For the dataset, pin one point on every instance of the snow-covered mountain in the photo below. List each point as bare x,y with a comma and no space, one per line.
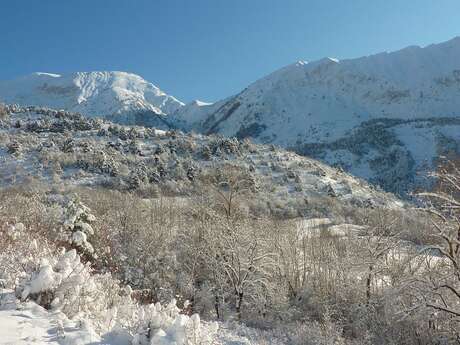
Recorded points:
120,96
383,117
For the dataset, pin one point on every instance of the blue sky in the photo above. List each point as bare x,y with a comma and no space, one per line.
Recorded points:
209,49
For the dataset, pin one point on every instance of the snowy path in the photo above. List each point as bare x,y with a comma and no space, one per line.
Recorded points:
27,326
30,324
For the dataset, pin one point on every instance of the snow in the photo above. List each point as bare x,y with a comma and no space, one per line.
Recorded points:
199,103
192,114
304,104
46,279
423,141
79,238
48,74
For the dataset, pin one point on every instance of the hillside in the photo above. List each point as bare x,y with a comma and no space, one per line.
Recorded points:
52,146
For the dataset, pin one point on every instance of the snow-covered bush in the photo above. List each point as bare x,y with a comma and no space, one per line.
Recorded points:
61,282
160,325
19,251
58,282
64,283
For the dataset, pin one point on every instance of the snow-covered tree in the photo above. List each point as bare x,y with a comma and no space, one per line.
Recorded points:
77,229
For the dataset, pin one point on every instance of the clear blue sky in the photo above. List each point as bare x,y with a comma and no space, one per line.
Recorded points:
209,49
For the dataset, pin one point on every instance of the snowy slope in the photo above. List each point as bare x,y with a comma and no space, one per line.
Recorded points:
325,101
121,96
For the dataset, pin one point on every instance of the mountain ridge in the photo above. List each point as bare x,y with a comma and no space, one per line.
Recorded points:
322,103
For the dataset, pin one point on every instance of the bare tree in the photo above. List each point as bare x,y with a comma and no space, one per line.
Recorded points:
378,243
235,251
228,186
438,288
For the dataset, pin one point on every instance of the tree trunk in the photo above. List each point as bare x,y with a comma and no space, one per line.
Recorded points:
239,302
369,283
216,306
